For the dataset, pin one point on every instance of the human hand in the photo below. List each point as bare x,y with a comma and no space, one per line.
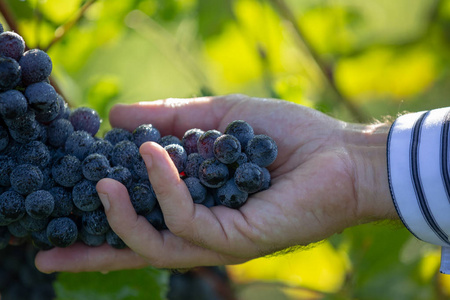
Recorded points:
329,175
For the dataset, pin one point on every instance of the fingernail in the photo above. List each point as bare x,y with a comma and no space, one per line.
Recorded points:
105,200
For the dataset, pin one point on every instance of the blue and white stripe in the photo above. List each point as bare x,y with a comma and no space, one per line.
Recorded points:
417,154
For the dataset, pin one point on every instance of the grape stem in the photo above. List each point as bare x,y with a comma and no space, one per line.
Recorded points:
62,30
7,15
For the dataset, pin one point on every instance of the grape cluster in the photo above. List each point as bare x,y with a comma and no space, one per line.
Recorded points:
51,159
201,283
19,278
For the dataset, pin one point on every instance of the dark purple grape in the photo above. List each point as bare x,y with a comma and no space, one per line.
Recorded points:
241,130
190,140
205,143
212,173
10,73
85,118
36,66
262,150
227,149
178,155
146,133
249,177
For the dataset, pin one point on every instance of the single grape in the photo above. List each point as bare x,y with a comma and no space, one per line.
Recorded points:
146,133
227,149
142,198
24,128
95,222
169,139
26,179
103,147
58,132
190,140
36,66
116,135
178,155
196,189
213,173
12,205
121,174
241,130
10,73
95,167
85,196
86,119
62,232
12,104
43,99
124,153
193,162
11,45
35,153
78,144
205,143
40,204
262,150
63,201
249,177
230,195
66,170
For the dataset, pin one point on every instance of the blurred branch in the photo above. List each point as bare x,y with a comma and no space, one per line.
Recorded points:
62,30
7,15
325,71
148,28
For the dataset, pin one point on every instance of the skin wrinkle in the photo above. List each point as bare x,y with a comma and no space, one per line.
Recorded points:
344,155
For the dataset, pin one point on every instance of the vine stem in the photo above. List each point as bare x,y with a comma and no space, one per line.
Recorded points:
325,72
62,30
7,15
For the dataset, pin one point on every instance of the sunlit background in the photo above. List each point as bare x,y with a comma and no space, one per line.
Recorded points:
356,60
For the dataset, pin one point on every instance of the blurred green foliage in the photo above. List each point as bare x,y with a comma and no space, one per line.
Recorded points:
352,59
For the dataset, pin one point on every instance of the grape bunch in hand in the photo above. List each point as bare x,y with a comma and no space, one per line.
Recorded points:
51,160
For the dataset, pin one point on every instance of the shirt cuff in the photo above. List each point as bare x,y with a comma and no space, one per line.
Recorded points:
417,155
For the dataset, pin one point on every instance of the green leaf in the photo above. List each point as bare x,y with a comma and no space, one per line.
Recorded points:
213,15
147,283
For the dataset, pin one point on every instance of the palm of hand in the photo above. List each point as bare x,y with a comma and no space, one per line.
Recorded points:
311,196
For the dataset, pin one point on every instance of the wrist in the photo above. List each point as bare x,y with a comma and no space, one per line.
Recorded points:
366,146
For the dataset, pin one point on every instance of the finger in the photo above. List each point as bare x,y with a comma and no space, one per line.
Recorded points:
82,258
160,249
220,229
122,216
172,116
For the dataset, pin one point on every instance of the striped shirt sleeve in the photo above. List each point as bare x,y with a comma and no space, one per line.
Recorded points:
419,179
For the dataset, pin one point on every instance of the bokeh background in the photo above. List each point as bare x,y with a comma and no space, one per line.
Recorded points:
359,61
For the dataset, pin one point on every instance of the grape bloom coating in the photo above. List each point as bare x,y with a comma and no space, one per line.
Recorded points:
51,157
